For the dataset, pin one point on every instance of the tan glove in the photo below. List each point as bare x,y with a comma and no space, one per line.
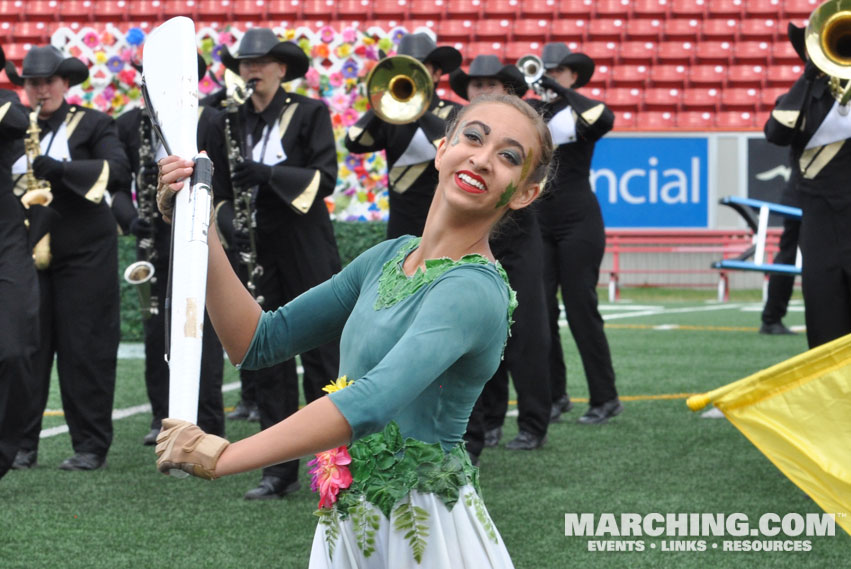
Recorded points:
165,199
183,446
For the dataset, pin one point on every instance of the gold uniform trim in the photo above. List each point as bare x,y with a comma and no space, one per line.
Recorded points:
361,136
286,117
815,159
786,118
591,115
442,110
72,120
5,109
95,193
401,177
305,199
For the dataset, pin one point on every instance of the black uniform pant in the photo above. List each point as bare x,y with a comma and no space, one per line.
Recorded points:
293,262
520,251
574,242
780,286
826,271
210,405
79,320
18,327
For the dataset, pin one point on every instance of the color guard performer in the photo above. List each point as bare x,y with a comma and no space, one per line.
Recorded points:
82,159
289,166
411,147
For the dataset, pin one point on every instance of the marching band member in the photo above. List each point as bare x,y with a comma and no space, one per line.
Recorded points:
808,119
153,244
18,287
410,147
82,159
517,246
291,166
573,232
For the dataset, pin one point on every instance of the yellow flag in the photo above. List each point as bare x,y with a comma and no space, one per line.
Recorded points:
798,413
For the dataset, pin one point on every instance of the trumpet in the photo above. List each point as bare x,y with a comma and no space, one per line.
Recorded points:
532,68
828,42
37,191
399,89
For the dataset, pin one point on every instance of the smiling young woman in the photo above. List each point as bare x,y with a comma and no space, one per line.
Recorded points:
422,324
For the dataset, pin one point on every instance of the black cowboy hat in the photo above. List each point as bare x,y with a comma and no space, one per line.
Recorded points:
202,66
2,58
48,61
420,46
796,38
556,54
489,66
260,42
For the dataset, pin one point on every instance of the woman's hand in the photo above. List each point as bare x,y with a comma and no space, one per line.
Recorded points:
172,171
183,446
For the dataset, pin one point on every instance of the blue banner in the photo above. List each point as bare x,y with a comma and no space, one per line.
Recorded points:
652,182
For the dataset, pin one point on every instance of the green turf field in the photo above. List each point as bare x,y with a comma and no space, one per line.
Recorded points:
658,457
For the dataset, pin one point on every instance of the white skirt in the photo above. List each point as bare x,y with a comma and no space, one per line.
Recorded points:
425,534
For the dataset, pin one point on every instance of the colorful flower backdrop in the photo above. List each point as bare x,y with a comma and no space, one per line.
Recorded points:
341,59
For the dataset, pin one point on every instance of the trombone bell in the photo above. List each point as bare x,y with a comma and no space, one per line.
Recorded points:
399,89
828,43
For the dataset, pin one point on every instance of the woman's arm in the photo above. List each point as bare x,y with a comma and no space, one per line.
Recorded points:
233,311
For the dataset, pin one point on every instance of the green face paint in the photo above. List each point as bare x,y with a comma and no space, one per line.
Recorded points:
506,195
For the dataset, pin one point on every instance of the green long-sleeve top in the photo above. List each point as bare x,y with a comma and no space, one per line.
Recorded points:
419,348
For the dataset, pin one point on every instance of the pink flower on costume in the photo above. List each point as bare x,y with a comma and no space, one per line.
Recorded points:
330,474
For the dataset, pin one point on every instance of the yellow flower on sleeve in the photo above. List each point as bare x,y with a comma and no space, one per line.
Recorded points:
338,384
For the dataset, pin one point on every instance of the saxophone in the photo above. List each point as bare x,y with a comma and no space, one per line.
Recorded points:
142,273
37,191
245,218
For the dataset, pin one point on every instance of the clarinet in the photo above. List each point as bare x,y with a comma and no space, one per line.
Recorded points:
245,215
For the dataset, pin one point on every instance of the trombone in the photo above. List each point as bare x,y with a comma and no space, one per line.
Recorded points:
399,89
828,42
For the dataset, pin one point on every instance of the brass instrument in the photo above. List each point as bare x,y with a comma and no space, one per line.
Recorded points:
828,42
399,89
532,68
245,215
142,274
37,191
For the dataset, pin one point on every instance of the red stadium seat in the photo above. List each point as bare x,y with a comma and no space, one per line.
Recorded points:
668,75
431,9
531,29
769,96
39,10
620,98
602,74
760,29
675,52
719,29
641,29
173,8
514,50
349,9
681,29
575,8
596,93
611,8
455,30
661,98
766,8
782,52
624,119
637,52
149,10
605,29
627,75
650,8
31,32
725,8
740,99
313,10
393,9
602,52
568,30
656,120
783,75
695,120
464,9
748,75
752,52
735,119
713,52
493,30
701,99
502,8
284,9
688,8
483,47
110,11
799,8
10,10
76,10
539,8
412,25
706,75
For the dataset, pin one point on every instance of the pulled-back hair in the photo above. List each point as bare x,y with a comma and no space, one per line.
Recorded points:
542,170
